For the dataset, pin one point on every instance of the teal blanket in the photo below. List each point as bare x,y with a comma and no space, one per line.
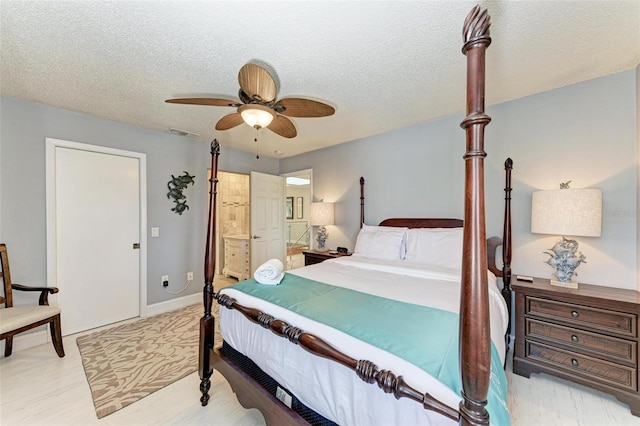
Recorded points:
377,320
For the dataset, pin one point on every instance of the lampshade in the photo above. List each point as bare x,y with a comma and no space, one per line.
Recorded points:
571,212
321,214
256,115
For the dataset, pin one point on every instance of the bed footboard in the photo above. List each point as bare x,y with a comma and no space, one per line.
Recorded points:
251,394
366,370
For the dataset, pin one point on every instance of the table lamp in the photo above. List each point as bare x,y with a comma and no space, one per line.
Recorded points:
321,214
566,212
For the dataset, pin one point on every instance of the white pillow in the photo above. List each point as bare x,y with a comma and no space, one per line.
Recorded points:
376,228
381,242
441,247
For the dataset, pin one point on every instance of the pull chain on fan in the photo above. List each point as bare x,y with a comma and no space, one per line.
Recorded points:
255,139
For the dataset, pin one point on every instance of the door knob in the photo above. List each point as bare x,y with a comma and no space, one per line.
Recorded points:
256,236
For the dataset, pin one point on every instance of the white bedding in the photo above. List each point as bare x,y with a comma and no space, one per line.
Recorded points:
333,390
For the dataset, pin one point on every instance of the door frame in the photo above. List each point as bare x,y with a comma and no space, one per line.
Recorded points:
50,173
296,174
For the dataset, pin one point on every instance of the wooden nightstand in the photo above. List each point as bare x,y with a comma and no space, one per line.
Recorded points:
588,335
312,256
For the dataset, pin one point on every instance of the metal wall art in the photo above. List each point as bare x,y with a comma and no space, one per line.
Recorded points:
176,185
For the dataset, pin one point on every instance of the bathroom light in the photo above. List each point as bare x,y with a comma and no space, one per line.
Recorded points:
293,180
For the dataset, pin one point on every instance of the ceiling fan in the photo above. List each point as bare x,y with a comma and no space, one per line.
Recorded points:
258,106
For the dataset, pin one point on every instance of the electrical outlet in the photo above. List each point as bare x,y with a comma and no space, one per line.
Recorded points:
283,396
165,281
189,276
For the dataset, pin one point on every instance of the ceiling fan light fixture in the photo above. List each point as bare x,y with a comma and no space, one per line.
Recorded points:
258,106
256,115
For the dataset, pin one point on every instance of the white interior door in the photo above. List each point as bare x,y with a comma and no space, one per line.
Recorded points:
267,219
97,222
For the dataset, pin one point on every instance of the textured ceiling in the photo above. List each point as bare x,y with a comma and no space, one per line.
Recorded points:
382,64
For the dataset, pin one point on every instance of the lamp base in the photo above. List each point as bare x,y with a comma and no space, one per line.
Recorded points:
566,284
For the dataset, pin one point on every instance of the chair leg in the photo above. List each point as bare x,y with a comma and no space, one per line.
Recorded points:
56,335
8,346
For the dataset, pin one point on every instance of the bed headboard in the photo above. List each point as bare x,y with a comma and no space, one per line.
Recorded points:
422,222
492,243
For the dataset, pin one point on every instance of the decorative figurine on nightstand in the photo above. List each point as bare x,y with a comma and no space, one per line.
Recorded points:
565,257
321,238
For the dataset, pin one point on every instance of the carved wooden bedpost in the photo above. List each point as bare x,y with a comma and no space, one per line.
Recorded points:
506,244
207,322
361,201
475,341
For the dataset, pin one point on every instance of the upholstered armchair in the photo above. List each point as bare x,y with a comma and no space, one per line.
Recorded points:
16,319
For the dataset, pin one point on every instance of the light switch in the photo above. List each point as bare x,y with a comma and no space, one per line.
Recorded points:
155,232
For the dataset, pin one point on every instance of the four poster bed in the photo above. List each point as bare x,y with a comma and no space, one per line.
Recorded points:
432,336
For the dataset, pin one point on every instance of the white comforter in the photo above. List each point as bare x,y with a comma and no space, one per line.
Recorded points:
333,390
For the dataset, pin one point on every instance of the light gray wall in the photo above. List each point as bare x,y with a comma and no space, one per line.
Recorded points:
180,247
396,167
585,133
635,212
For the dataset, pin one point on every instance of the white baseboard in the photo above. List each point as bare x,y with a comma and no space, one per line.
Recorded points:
173,304
29,340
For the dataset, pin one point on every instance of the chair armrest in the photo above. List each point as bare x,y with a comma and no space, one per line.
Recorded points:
44,295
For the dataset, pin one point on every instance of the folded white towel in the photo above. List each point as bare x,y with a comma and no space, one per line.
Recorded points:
270,272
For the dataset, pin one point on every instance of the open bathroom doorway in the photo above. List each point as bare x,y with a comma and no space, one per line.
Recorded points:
233,231
298,201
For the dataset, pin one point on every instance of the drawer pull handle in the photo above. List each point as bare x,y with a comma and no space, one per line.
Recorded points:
575,314
574,362
574,338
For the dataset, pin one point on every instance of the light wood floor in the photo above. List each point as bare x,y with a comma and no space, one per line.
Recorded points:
38,388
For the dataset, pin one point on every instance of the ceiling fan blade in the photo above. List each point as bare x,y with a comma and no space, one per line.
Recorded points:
229,121
298,107
283,127
256,82
205,101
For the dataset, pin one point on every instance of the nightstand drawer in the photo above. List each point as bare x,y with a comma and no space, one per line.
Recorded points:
582,316
312,260
579,340
616,375
588,335
311,257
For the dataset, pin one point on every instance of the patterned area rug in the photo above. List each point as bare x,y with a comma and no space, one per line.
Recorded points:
128,362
